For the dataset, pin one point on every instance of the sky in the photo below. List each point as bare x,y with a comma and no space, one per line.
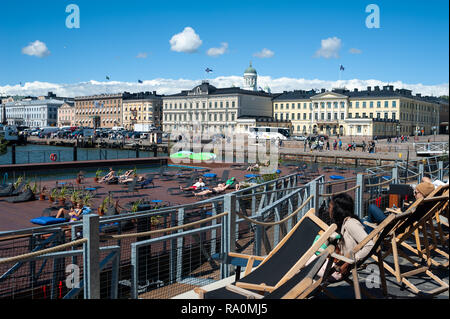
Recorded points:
169,44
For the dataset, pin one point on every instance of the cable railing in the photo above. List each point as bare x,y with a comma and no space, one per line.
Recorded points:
167,251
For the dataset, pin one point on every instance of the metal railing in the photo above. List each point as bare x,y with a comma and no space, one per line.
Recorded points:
164,252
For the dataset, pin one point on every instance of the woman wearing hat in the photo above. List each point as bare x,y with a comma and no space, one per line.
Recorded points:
376,215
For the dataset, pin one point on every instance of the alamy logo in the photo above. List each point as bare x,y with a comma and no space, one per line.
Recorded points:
73,19
73,279
373,279
373,19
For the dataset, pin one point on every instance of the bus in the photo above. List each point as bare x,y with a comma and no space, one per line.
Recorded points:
269,133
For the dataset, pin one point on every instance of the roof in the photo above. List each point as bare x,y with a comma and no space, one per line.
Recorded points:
386,91
207,89
35,102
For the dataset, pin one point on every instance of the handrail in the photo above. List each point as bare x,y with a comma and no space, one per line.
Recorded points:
165,230
341,192
280,221
43,251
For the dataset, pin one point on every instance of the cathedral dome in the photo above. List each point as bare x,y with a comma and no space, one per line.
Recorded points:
250,69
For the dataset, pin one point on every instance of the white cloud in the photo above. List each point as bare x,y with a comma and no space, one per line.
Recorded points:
186,41
265,53
172,86
355,51
218,51
329,48
142,55
36,48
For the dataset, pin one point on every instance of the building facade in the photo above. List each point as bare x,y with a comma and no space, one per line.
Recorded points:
66,114
142,108
33,113
371,112
99,111
207,108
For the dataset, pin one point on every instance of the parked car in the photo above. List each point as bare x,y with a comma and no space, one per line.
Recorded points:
299,137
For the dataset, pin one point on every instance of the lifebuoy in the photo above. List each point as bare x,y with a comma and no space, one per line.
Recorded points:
53,157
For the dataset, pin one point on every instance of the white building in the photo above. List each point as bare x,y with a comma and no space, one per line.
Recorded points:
207,108
33,113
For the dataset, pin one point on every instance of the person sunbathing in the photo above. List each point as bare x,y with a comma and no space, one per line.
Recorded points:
253,167
126,175
216,190
131,178
108,177
194,187
73,214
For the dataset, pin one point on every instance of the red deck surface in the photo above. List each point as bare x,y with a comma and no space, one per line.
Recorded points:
17,216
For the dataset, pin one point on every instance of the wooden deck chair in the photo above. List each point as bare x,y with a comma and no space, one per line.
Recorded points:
298,287
417,215
287,258
378,235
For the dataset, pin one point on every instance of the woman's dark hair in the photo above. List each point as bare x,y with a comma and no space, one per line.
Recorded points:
343,207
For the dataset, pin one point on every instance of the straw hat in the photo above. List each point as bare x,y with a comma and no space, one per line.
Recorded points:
425,188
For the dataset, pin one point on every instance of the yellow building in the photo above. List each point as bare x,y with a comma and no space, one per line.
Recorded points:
372,112
142,108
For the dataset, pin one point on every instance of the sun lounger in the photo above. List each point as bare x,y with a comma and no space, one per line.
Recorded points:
287,258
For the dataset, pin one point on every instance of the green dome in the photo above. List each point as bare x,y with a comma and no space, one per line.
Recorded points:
250,69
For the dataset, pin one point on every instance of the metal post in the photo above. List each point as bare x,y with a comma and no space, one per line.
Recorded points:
229,229
359,195
91,257
180,246
440,175
421,170
13,154
395,173
75,153
315,193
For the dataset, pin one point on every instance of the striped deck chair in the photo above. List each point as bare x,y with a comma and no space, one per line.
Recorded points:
282,263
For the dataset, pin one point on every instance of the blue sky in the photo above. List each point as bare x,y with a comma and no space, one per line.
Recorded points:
410,46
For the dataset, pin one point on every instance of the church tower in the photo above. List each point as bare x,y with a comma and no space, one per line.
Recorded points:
250,79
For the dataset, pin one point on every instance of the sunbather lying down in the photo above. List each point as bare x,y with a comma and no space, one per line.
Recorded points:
73,214
218,189
108,177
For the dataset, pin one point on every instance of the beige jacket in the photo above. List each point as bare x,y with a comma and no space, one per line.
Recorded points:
353,233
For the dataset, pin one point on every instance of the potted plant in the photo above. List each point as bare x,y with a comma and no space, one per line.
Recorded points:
98,173
101,208
62,196
86,199
135,206
74,197
53,195
42,193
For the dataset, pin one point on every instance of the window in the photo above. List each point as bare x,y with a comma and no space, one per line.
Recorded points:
342,104
350,105
349,115
276,106
342,116
358,128
299,116
386,115
378,104
393,116
357,105
371,115
364,115
364,104
357,115
386,103
304,116
287,106
322,105
329,105
322,116
299,106
304,106
394,103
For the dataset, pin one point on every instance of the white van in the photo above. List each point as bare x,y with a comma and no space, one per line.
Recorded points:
49,130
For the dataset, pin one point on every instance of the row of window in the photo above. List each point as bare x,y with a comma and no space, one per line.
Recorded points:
215,104
92,103
211,116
